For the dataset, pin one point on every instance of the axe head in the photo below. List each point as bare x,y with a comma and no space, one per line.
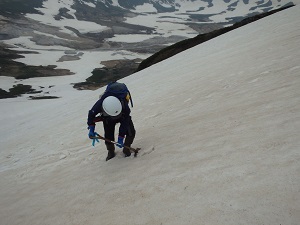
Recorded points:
136,151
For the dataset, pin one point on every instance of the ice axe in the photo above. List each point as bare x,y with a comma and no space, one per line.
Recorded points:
135,150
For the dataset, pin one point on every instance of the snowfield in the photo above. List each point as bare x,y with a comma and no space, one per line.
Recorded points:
218,125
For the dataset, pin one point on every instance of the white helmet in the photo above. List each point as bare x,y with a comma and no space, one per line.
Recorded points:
112,106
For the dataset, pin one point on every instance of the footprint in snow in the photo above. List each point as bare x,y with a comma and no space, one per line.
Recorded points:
146,152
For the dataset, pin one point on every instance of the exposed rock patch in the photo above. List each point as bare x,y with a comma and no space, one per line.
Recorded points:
113,70
11,68
70,57
17,90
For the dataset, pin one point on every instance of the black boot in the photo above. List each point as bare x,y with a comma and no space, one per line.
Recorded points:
126,152
111,151
110,155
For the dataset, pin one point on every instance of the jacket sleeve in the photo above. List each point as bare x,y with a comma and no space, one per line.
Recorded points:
96,109
124,124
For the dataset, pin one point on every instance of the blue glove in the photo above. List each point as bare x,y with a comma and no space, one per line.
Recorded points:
120,143
92,133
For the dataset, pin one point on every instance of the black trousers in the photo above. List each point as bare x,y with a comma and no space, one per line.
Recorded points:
109,133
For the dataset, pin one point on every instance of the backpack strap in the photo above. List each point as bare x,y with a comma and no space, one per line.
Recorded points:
130,99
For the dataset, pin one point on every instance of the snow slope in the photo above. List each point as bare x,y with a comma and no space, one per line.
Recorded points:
219,129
